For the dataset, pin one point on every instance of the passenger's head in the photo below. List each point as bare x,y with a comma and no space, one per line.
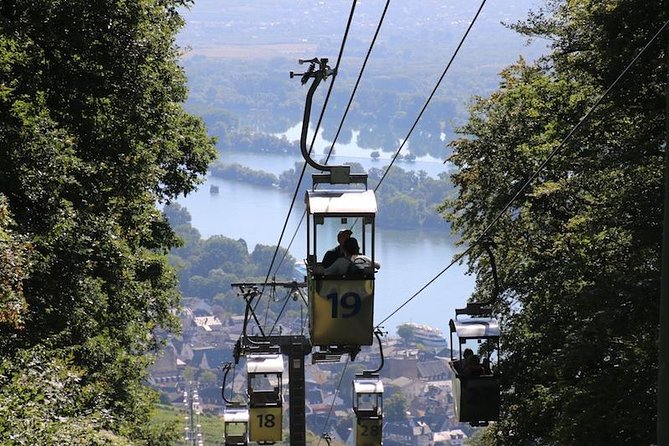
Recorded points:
343,235
467,353
351,246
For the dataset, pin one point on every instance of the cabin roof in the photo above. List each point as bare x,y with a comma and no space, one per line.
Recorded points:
236,414
266,363
475,328
367,385
341,202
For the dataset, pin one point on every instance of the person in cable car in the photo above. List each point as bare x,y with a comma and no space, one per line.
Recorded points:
338,251
470,364
359,261
352,262
342,264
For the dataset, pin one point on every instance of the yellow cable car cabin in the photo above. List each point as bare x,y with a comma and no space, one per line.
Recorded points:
264,374
475,381
341,303
368,408
235,425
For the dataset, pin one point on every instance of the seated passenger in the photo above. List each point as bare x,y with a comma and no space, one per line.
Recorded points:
471,364
338,251
360,261
352,263
339,267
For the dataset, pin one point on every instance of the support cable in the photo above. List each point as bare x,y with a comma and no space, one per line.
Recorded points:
270,299
357,82
419,115
434,90
292,239
540,169
285,302
427,102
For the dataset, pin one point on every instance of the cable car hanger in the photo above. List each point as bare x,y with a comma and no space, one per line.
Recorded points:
226,369
337,174
248,292
484,308
378,333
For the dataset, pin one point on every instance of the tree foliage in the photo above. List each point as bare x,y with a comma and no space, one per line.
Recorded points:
14,254
578,253
93,136
406,199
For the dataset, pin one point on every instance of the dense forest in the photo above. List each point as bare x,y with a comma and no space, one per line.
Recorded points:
93,135
207,267
578,252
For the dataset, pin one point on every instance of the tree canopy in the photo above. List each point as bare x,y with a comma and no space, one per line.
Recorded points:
578,252
208,267
93,135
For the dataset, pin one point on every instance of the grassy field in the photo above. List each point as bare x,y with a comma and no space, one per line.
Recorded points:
212,426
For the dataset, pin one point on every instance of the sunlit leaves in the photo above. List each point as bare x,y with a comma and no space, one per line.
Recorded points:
578,251
92,137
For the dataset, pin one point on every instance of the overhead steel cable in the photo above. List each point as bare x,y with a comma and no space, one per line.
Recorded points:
357,82
292,239
429,99
540,169
434,90
304,167
420,115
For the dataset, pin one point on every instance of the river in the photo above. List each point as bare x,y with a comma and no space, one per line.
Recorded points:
409,259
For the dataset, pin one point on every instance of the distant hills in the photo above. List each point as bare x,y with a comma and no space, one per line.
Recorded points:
238,55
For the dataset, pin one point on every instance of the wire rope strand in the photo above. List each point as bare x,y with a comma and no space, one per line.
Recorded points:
434,90
540,169
286,252
272,297
288,296
357,82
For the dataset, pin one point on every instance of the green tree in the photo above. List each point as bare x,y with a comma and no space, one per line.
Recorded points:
93,136
395,408
578,253
188,373
207,378
14,255
405,332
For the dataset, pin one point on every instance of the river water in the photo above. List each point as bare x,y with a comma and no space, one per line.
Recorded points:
409,259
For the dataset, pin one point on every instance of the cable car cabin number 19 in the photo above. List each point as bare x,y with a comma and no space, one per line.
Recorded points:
342,312
341,305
